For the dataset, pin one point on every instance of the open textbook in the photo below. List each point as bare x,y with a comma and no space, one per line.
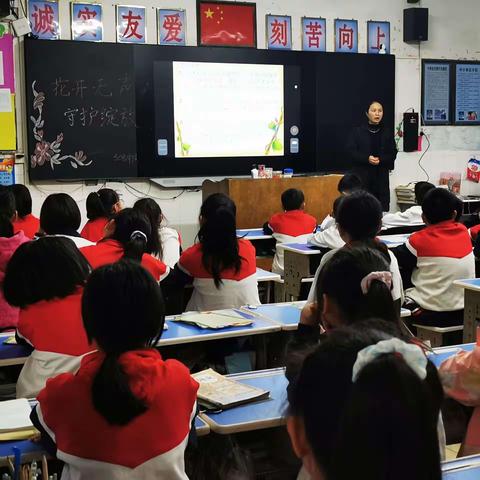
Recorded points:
218,391
217,319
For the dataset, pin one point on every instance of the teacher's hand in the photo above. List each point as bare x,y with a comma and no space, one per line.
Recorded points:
373,160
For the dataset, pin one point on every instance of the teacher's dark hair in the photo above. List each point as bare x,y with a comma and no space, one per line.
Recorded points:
122,310
44,269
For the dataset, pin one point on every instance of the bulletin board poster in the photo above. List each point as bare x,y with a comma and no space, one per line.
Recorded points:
436,93
467,94
7,170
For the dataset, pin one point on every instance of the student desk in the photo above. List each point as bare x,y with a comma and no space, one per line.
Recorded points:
471,312
12,354
264,276
298,261
253,234
442,353
257,415
464,468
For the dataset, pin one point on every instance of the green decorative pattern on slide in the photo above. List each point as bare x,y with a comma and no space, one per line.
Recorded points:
275,143
185,147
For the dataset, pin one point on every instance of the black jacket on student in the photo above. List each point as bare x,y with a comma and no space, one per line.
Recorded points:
377,141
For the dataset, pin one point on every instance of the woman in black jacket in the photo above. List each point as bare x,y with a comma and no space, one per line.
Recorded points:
373,151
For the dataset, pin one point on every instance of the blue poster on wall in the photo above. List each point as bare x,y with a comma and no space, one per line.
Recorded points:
467,99
378,37
436,93
346,36
314,34
171,27
87,23
44,19
279,32
131,25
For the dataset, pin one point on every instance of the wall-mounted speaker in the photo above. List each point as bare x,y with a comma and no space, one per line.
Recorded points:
415,24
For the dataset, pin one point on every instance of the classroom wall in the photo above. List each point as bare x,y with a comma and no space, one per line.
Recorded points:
454,34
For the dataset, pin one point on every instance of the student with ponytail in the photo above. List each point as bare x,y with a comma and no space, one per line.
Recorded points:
9,242
101,206
366,405
164,242
126,413
126,236
221,266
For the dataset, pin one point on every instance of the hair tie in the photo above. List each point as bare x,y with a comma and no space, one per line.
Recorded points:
384,277
411,354
137,233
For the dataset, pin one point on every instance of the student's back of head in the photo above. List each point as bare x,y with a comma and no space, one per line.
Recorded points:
47,268
359,216
23,200
132,229
218,235
354,285
421,189
292,199
102,204
153,212
381,407
349,183
122,310
60,215
440,205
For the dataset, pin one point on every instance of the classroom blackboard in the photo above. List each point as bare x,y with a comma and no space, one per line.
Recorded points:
81,118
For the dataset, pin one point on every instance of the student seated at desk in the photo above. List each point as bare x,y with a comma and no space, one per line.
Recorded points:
60,216
365,406
413,215
101,207
434,258
330,237
292,225
25,220
45,279
164,243
221,266
359,219
126,236
126,413
9,242
348,184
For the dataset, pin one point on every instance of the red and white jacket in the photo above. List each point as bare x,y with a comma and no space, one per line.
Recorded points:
444,254
474,232
237,289
54,328
111,251
288,227
29,224
93,230
150,446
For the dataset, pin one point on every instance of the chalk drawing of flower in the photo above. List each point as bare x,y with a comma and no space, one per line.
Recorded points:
50,153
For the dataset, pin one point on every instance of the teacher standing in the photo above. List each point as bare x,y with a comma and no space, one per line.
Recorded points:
373,151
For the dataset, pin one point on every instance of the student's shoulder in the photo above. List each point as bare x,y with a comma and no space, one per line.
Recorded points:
57,391
245,245
276,218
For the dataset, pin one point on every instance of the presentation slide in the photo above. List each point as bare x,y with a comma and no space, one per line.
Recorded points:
228,109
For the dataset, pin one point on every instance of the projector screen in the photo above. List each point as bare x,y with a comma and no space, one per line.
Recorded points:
228,110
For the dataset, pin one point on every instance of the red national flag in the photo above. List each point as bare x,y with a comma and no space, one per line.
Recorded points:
230,24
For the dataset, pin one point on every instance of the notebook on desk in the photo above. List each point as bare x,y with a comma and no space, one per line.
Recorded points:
214,320
219,392
15,423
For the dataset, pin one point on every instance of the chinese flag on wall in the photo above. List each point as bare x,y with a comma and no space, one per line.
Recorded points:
226,23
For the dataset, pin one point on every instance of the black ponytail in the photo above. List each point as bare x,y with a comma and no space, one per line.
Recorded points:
368,428
132,230
101,204
218,236
340,280
153,212
122,310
